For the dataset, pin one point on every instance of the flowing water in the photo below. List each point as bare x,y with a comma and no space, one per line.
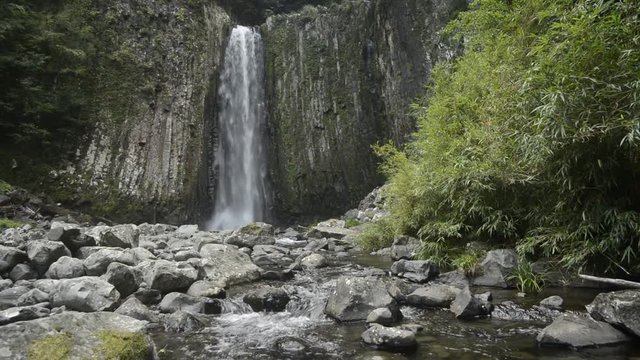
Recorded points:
304,332
240,159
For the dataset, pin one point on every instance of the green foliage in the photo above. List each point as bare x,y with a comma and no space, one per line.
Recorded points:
5,187
349,223
123,345
9,223
52,347
531,138
526,279
469,262
376,236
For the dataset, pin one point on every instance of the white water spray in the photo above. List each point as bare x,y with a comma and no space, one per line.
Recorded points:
241,155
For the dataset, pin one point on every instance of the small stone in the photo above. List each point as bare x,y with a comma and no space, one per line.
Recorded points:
384,316
268,299
389,338
552,302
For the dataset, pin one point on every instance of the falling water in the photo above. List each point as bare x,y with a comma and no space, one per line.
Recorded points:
241,155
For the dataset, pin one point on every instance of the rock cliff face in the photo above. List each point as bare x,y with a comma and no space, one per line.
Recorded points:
341,78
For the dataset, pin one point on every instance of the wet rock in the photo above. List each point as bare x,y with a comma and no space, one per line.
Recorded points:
313,261
578,331
280,275
267,299
508,310
226,265
16,339
271,256
181,321
466,306
23,272
167,276
249,241
97,263
405,247
316,245
389,338
485,297
43,253
66,268
420,271
136,309
87,294
204,288
497,267
22,313
33,297
290,243
354,298
123,277
290,344
385,316
175,301
11,257
618,308
257,229
553,302
435,295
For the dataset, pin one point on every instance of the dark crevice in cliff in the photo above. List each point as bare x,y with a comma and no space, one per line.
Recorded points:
255,12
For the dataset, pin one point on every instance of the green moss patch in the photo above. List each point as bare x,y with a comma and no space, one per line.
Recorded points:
52,347
8,223
123,345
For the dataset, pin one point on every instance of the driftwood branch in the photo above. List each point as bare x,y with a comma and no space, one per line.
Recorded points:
617,282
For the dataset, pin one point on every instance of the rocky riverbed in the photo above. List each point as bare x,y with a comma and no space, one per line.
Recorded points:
159,291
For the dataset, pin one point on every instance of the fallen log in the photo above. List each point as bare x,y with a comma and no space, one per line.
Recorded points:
617,282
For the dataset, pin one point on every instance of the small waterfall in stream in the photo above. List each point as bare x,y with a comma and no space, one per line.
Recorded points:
241,154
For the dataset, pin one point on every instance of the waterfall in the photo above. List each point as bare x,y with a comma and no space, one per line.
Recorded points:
241,158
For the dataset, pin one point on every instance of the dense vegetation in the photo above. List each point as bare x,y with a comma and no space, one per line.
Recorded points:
531,138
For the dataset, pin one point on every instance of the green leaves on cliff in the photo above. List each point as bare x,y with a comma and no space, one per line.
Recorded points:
532,137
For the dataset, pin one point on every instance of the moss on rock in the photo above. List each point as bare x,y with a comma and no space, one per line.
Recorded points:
52,347
123,345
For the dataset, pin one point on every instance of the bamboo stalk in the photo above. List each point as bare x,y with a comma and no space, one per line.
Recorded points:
617,282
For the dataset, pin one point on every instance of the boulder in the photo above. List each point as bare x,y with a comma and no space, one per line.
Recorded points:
267,299
436,295
175,301
510,311
123,277
256,229
249,241
466,306
420,271
23,272
33,297
147,296
11,257
455,278
497,267
181,321
313,261
618,308
319,232
555,302
9,297
167,276
122,236
22,313
66,268
70,235
389,338
97,263
354,298
290,243
579,331
384,316
43,253
186,231
5,284
405,247
205,288
85,333
226,265
136,309
271,256
87,294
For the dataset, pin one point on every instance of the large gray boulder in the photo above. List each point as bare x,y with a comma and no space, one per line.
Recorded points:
618,308
87,294
122,236
43,253
175,301
11,257
436,295
82,330
405,247
23,272
420,271
389,338
385,316
182,321
249,241
206,288
123,277
497,268
268,298
9,297
33,297
271,256
226,265
167,276
578,331
466,306
97,263
70,235
355,297
66,268
22,313
137,310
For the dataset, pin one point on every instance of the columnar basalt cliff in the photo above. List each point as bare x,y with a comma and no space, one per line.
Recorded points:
340,79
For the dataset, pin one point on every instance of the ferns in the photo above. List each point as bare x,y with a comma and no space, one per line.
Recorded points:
531,137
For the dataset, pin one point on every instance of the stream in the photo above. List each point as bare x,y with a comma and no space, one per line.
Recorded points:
304,332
